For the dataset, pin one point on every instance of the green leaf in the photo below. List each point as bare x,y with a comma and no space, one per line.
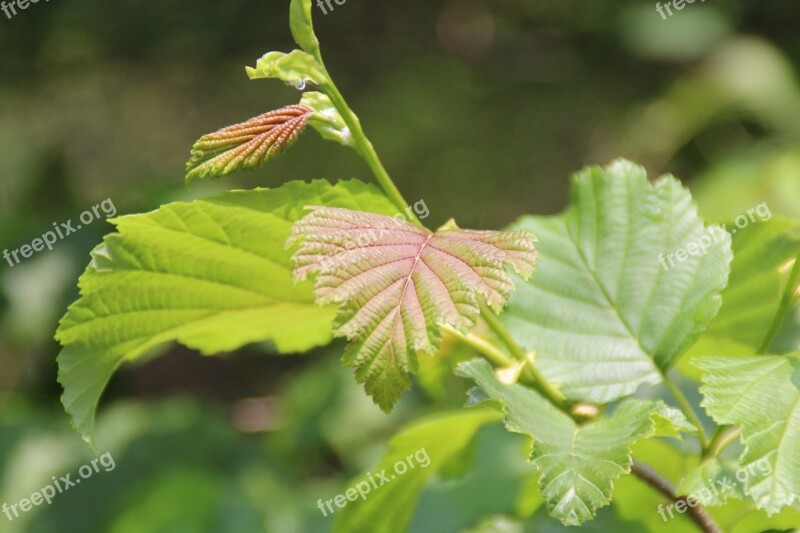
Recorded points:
606,311
389,508
248,145
211,274
326,118
748,177
760,394
302,26
749,303
297,68
713,482
578,463
396,284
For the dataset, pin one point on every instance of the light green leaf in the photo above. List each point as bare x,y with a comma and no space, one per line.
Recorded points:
760,394
712,483
607,311
211,274
671,422
749,303
302,26
326,118
297,68
389,507
578,463
748,177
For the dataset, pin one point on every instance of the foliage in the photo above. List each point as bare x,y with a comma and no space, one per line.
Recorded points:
631,280
398,284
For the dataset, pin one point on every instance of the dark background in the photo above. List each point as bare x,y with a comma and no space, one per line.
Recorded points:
483,109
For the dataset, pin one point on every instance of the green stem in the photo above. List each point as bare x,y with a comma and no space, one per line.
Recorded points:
365,149
529,372
362,144
788,300
722,437
688,410
492,353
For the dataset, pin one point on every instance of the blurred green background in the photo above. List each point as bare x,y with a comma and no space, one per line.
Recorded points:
482,109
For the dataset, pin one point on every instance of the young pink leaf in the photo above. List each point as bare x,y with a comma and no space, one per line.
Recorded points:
247,145
396,283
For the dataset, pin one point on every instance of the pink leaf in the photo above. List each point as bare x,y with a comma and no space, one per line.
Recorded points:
247,145
396,283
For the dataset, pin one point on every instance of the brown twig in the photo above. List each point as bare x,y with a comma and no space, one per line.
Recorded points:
654,479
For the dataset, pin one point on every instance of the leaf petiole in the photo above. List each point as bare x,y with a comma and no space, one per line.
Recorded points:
689,411
722,437
790,297
529,372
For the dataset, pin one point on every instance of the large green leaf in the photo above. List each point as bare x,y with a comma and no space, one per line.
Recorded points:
760,394
751,300
211,274
578,463
608,310
388,508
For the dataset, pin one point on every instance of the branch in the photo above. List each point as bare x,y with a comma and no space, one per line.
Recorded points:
698,513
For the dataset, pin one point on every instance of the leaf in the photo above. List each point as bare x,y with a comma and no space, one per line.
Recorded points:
396,283
248,145
713,483
389,508
603,313
760,394
326,119
578,463
211,274
296,68
751,300
302,26
735,184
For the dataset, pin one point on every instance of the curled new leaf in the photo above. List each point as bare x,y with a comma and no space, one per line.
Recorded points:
396,283
248,145
296,68
326,118
302,26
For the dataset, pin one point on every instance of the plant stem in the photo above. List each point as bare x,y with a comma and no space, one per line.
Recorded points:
697,513
688,410
367,151
722,437
789,298
492,353
530,371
